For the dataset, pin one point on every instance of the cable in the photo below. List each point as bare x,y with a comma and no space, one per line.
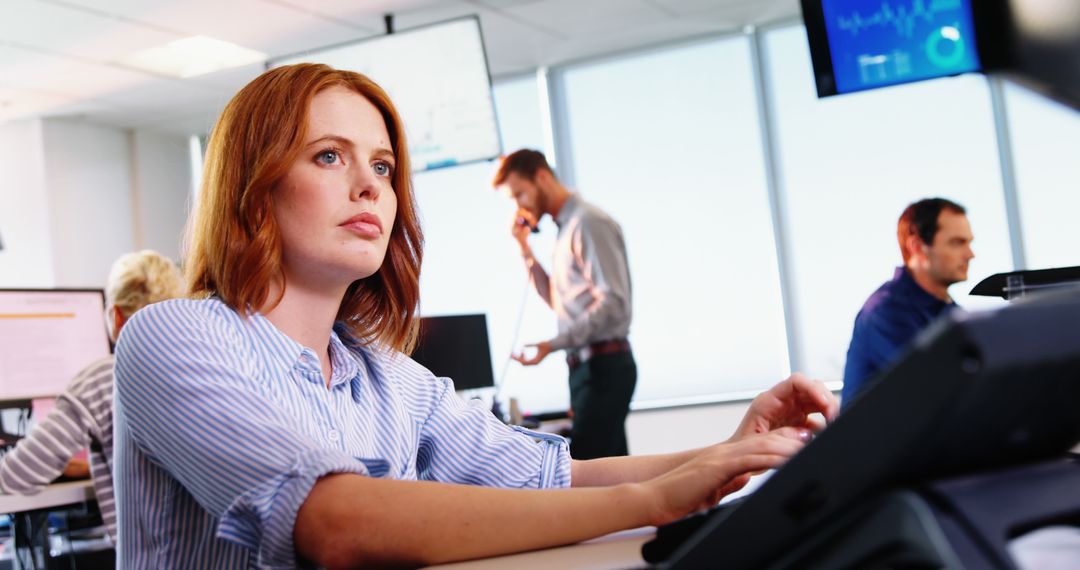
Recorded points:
513,343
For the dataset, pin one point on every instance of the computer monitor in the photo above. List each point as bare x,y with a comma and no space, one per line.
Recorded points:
857,45
456,347
976,391
1038,45
437,75
46,337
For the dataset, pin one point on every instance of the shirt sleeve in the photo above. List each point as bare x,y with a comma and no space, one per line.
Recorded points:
465,443
185,398
600,251
41,456
876,342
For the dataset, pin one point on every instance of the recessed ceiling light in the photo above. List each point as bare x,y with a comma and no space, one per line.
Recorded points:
192,56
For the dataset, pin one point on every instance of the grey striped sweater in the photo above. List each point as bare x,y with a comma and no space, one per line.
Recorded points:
82,416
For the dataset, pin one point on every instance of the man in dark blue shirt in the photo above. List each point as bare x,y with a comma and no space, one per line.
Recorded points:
935,242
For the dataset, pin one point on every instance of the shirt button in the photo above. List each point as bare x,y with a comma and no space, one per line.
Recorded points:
333,435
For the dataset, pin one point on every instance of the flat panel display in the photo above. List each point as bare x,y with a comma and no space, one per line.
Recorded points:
438,78
46,337
858,44
456,347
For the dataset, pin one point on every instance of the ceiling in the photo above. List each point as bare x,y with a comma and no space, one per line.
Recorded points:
58,58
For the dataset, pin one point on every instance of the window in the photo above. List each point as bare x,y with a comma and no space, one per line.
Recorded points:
850,164
1046,144
668,143
472,264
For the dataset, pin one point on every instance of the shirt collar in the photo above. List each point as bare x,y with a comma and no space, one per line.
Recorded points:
286,354
569,208
907,285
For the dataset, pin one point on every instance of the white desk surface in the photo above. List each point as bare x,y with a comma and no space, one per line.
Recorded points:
55,495
619,550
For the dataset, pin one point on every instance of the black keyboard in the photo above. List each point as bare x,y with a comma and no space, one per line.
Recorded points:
672,535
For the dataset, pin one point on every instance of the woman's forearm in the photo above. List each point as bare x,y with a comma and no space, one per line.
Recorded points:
633,469
350,520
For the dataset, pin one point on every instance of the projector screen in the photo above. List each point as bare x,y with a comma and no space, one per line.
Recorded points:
46,337
438,78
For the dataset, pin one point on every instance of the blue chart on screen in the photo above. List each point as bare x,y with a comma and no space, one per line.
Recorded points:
876,43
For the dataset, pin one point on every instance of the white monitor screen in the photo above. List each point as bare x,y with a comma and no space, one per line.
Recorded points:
438,78
46,338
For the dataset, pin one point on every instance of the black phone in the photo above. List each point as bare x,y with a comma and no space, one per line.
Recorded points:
523,221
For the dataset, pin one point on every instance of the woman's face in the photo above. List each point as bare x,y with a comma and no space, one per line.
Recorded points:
335,207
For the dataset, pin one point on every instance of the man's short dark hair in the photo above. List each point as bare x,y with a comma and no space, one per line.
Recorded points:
921,219
525,162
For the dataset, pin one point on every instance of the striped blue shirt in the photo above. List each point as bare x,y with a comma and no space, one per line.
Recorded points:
224,424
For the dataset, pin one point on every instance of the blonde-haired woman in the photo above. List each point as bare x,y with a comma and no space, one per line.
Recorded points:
83,414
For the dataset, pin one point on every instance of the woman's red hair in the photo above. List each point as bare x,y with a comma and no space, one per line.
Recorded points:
234,248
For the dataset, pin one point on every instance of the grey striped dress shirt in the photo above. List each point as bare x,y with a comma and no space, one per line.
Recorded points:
589,287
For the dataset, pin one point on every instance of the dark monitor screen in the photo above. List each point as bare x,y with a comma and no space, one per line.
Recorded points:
858,44
456,347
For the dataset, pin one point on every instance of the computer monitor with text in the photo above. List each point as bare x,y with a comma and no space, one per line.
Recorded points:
46,337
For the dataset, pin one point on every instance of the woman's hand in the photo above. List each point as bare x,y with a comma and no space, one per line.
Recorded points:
77,469
790,403
719,470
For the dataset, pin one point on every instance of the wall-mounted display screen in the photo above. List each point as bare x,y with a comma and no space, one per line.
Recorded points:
857,45
438,78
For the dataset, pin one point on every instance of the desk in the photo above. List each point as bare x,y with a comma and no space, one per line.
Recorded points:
28,517
55,495
619,550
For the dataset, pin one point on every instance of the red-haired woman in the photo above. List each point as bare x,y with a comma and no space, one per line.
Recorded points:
274,419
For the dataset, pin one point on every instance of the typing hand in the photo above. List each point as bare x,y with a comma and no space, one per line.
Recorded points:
719,470
791,403
542,350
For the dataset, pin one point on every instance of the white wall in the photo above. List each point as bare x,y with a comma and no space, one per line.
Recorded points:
26,259
676,429
74,197
161,179
88,176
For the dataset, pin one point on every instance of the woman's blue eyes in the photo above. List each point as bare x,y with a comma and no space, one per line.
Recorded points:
328,157
332,157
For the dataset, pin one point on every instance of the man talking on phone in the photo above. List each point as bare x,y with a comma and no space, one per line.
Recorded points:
589,290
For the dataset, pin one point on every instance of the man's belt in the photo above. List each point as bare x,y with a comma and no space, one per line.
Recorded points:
614,346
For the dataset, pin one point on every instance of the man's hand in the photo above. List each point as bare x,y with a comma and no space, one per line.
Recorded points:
542,350
789,403
521,227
